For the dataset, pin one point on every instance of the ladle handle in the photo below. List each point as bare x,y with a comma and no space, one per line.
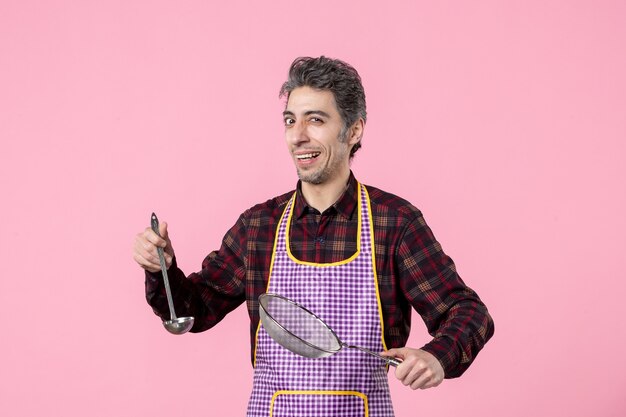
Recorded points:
154,222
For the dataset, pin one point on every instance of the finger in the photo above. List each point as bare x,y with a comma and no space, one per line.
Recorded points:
150,236
168,260
146,264
427,380
145,248
421,379
399,353
149,252
146,252
427,376
163,230
390,353
168,248
413,371
432,383
404,370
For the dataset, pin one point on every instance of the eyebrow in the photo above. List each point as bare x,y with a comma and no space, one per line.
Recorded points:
308,113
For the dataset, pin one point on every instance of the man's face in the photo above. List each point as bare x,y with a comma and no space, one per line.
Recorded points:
313,128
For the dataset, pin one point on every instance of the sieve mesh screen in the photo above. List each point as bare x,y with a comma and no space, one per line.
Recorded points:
295,328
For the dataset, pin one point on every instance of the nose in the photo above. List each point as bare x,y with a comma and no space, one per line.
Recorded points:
296,134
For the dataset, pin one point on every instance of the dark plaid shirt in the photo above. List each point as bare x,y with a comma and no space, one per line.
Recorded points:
413,272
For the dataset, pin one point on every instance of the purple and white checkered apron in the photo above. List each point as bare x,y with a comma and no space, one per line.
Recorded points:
349,383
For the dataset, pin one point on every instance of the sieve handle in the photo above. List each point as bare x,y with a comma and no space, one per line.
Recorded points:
390,361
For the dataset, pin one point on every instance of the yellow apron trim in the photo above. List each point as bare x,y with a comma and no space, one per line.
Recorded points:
380,307
256,335
345,261
345,393
374,270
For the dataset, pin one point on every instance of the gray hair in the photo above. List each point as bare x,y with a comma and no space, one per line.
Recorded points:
336,76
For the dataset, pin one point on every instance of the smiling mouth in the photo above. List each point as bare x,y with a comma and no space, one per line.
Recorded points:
307,156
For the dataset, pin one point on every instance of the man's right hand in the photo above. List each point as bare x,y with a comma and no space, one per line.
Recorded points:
145,248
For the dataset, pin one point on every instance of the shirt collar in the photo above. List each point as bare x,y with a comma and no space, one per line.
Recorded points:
345,205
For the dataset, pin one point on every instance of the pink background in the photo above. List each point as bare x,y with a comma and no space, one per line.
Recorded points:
504,122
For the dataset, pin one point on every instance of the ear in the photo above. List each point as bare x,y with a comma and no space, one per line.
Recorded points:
356,132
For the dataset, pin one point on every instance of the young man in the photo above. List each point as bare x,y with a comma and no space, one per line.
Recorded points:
360,258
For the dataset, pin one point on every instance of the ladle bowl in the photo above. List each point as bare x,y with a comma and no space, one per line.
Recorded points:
179,325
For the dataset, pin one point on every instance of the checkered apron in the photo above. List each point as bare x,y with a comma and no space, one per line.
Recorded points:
349,383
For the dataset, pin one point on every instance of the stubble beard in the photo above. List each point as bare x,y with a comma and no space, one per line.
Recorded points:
323,174
317,177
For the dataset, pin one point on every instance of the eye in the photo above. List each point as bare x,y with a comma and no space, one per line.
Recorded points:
316,120
288,121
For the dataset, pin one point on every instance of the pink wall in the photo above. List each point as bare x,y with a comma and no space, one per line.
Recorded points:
504,122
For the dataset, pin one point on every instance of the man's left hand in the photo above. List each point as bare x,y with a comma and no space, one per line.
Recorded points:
419,369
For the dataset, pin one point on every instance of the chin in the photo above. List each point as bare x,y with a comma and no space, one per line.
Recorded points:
314,178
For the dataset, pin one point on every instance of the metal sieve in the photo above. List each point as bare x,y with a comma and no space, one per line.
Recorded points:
299,330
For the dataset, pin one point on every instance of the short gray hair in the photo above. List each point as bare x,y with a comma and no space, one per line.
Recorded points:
334,75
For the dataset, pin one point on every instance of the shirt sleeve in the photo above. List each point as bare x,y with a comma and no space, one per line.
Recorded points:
210,294
453,313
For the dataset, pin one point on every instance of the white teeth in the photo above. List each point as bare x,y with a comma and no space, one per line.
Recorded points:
307,155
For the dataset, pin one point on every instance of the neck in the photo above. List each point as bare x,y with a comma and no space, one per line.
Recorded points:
322,196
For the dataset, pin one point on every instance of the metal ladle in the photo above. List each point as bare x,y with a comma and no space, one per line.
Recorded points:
176,325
